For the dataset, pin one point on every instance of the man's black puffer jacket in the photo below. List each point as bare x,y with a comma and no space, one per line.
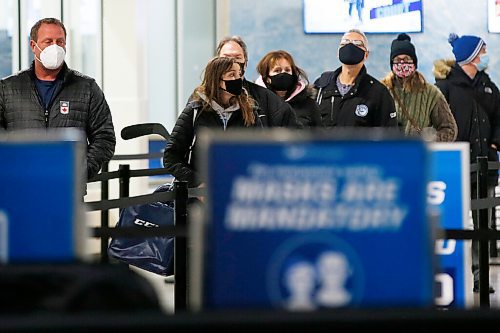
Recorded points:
21,108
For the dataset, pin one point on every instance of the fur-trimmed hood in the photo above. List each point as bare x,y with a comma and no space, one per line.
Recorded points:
442,67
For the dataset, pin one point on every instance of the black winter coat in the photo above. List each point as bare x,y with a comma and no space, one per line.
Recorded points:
176,159
306,109
475,104
21,108
367,104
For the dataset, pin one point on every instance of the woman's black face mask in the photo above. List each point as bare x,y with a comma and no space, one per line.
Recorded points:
350,54
283,82
234,86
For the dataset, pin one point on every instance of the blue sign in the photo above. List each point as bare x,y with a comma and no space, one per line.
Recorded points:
40,197
398,7
304,224
449,193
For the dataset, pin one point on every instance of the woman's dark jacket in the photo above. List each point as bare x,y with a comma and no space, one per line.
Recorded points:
176,154
306,109
302,102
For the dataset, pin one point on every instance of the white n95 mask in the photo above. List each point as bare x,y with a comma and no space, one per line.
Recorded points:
52,56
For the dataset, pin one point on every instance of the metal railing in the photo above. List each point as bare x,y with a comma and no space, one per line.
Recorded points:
181,194
483,234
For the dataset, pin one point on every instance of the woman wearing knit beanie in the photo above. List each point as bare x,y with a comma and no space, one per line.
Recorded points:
475,102
420,106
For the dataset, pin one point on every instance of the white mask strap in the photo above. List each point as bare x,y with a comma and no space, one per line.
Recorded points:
39,49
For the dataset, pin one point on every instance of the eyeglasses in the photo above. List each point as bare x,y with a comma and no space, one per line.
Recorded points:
357,42
402,61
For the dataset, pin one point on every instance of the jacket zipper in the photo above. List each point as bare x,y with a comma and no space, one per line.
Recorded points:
480,145
45,112
320,96
331,109
225,120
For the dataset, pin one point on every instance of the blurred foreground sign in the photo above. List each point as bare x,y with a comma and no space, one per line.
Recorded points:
41,196
302,223
449,193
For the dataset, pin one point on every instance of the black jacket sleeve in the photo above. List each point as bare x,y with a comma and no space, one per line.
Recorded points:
100,132
288,118
178,147
443,86
495,117
314,114
387,110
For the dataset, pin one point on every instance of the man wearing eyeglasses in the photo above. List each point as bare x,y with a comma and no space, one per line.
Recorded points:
272,110
349,96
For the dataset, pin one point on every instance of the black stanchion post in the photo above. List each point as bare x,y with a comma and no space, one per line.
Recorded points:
493,243
124,170
104,216
180,247
482,214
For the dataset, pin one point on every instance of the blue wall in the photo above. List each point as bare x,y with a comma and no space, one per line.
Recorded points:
278,24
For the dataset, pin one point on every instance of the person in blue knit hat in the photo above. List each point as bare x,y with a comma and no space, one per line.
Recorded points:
465,48
475,103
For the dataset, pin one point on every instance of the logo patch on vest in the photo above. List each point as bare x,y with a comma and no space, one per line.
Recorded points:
64,107
488,90
361,110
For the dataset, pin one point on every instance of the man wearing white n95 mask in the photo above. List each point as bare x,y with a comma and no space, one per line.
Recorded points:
51,95
52,56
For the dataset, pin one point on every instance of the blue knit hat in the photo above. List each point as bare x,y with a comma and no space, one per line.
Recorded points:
465,48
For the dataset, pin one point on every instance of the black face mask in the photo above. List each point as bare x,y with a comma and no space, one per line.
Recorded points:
282,82
350,54
234,86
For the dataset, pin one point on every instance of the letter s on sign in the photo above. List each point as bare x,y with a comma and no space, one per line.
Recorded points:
436,192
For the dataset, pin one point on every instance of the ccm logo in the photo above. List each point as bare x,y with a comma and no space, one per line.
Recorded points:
145,223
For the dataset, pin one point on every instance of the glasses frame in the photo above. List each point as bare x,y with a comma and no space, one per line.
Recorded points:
357,42
403,61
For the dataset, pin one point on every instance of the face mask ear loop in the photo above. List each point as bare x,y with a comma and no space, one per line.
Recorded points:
36,44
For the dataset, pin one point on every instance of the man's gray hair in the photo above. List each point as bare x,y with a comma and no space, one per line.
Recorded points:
365,40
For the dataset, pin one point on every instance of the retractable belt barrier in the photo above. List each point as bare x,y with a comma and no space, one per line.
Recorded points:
181,194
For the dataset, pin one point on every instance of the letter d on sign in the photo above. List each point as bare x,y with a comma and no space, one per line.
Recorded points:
445,282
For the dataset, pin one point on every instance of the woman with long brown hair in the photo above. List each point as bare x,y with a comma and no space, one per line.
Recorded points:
219,102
